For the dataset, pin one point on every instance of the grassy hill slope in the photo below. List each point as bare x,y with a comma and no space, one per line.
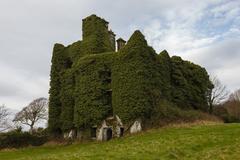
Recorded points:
219,141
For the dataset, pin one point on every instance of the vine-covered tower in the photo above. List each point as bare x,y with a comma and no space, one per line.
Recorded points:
98,92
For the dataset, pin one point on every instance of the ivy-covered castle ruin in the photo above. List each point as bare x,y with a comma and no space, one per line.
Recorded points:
102,88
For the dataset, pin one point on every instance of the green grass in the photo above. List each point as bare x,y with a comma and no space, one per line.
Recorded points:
220,142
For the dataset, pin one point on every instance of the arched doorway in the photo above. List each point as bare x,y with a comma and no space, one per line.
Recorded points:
107,134
121,132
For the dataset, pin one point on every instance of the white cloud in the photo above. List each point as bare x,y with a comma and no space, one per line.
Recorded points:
187,28
207,34
18,87
220,59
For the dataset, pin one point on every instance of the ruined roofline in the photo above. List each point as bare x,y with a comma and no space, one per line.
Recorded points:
94,15
111,32
121,40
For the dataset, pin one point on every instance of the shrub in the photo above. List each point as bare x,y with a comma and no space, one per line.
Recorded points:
233,109
229,112
167,112
17,139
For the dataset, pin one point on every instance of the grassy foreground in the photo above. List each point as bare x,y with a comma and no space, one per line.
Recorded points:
210,142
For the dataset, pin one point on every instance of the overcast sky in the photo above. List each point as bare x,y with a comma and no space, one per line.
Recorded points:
206,32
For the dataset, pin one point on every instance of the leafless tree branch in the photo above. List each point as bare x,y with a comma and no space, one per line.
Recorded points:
34,112
218,94
4,118
235,96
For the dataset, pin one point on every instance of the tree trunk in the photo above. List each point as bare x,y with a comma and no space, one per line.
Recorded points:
210,108
31,129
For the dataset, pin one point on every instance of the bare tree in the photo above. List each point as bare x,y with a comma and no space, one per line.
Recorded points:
4,118
235,96
216,95
233,108
33,113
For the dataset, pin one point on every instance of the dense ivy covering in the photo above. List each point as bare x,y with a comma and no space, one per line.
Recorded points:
135,80
190,84
55,88
67,99
96,37
92,90
165,71
90,81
